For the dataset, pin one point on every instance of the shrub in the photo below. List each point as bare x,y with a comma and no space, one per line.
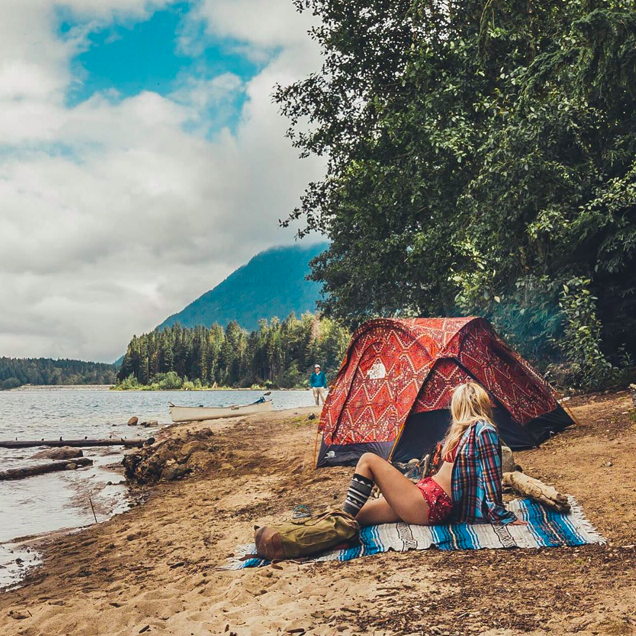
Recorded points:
581,342
10,383
171,382
129,383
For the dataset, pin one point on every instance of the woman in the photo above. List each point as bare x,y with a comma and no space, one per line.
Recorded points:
467,487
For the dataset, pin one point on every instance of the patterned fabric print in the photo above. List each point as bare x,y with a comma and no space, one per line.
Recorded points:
507,376
544,529
477,478
358,494
363,407
375,407
439,503
445,377
394,366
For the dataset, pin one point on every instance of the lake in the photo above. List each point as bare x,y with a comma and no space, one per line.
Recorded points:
57,501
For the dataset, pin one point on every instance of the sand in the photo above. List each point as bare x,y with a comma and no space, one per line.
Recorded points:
153,570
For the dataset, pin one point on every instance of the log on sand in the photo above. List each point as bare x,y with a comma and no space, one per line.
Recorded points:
31,471
79,443
536,490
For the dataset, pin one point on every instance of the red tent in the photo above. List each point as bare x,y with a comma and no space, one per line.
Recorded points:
393,390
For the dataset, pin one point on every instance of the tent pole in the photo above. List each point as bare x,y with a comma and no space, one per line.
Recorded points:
316,449
566,408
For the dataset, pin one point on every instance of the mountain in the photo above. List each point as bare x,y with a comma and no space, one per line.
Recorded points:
271,284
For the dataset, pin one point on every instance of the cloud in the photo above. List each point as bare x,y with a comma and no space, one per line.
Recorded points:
119,211
203,93
259,23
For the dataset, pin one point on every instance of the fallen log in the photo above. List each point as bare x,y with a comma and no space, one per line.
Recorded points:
536,490
32,471
115,441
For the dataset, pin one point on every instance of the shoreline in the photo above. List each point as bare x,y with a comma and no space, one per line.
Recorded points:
147,388
113,387
98,491
154,569
36,545
60,387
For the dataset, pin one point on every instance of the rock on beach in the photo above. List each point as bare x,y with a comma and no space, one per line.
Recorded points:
65,452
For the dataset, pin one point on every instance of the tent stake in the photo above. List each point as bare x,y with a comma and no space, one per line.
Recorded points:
93,509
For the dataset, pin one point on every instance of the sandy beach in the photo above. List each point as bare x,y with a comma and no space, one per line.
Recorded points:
154,569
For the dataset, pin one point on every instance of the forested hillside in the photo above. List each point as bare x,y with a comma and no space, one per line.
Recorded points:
278,354
15,372
273,284
482,160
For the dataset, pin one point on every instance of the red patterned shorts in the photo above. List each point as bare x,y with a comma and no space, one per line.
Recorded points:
439,503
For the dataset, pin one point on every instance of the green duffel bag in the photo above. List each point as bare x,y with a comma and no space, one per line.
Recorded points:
304,537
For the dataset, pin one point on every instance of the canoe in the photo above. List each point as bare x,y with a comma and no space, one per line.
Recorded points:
199,413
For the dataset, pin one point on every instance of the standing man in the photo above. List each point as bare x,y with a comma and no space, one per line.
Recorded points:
318,383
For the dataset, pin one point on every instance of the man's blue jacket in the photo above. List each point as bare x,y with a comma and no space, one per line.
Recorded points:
318,380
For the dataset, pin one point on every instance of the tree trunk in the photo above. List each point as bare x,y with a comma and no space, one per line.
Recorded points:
32,471
78,443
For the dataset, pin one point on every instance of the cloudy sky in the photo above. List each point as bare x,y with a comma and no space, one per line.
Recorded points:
141,160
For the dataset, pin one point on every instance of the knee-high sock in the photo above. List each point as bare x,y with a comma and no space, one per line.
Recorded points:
358,493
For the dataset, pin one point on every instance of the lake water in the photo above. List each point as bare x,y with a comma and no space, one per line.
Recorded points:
57,501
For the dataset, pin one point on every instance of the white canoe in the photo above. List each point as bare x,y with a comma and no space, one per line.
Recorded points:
199,413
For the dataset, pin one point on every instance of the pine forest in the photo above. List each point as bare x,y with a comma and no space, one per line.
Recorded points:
280,354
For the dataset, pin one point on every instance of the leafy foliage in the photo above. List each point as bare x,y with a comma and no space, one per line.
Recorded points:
15,372
480,155
278,354
582,335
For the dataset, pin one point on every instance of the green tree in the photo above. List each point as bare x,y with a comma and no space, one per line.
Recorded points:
277,354
216,338
171,381
480,155
230,356
15,372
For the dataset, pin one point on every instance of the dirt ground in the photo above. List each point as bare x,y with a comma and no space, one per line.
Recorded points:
153,570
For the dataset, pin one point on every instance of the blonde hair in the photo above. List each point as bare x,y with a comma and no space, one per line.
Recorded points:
469,404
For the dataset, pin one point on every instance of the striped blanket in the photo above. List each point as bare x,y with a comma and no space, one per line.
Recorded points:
545,528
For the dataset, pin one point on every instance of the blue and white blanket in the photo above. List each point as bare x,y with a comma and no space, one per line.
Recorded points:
545,529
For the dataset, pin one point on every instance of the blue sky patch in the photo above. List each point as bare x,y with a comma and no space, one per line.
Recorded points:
128,57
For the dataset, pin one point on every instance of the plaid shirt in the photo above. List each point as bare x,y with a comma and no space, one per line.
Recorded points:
477,478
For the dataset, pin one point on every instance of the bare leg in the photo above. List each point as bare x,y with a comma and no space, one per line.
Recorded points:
376,511
403,500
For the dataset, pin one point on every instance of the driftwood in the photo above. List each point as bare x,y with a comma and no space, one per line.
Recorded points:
76,442
32,471
537,490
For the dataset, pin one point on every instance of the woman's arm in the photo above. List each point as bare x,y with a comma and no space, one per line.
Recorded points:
489,453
